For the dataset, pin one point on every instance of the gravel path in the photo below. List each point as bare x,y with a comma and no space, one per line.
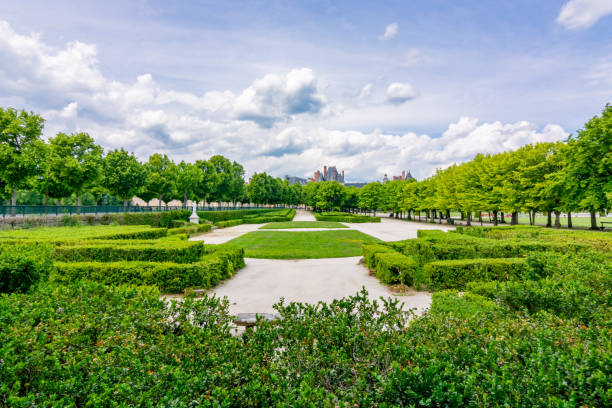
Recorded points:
390,229
263,282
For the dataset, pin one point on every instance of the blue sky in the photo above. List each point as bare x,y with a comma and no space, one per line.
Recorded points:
286,87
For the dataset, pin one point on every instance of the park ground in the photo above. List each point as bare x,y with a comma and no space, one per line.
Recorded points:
264,282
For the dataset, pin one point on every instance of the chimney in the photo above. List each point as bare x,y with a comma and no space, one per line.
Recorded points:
343,176
403,175
325,171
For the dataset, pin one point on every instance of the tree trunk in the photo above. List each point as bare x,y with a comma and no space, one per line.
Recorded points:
514,219
549,219
593,221
448,217
47,199
502,218
480,217
125,203
557,219
495,221
469,218
78,203
531,217
14,201
159,202
185,199
569,220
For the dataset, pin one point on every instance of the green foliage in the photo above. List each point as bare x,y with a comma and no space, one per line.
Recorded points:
190,229
393,267
169,277
110,251
460,305
123,175
58,348
455,274
81,233
369,251
228,223
23,266
345,217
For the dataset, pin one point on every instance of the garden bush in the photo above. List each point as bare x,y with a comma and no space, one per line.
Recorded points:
170,277
455,274
229,223
23,265
370,250
460,305
95,345
154,251
190,229
345,217
393,267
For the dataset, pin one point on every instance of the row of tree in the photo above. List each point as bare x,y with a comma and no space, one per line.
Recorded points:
73,164
570,176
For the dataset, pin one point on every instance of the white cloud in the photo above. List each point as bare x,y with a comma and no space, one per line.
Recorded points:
275,97
411,58
398,93
577,14
67,86
390,31
366,91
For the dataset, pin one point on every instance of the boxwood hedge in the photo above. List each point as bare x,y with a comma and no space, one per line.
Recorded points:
345,217
154,251
455,274
170,277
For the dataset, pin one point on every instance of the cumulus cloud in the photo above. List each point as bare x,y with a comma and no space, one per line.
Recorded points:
390,31
276,97
268,126
398,93
578,14
367,156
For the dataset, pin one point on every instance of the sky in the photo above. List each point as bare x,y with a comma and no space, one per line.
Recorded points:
287,87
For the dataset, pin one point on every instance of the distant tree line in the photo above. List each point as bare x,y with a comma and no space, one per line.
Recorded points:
552,178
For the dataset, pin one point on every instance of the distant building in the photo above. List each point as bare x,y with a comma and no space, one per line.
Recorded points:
404,176
329,174
296,180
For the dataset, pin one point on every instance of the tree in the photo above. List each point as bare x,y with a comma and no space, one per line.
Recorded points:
208,182
330,195
224,185
75,160
590,164
188,178
161,178
370,196
124,176
238,190
257,189
20,133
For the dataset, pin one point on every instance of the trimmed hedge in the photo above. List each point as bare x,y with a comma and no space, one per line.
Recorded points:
23,265
190,229
393,267
370,250
152,233
229,223
455,274
425,250
155,251
216,216
170,277
345,217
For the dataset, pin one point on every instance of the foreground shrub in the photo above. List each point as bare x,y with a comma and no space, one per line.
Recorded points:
92,345
460,305
23,265
455,274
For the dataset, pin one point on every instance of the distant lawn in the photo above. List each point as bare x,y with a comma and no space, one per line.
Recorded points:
576,221
303,224
302,245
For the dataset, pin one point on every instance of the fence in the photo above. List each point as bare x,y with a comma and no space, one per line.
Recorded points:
56,210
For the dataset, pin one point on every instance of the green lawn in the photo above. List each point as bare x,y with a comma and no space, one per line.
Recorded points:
303,224
302,245
576,221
